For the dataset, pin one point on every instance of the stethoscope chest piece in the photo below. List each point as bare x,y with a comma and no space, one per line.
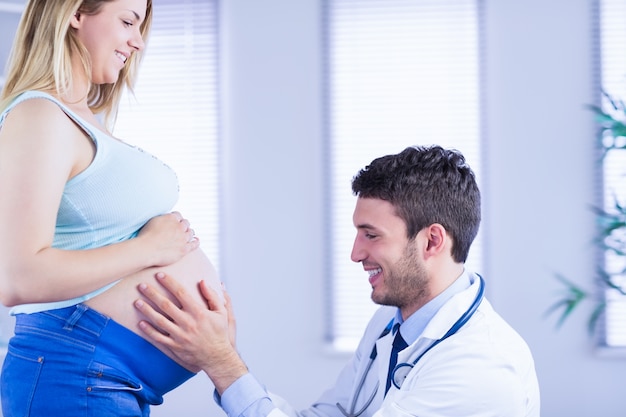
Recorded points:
400,372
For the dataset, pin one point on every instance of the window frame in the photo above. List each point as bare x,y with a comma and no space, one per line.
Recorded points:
336,193
611,38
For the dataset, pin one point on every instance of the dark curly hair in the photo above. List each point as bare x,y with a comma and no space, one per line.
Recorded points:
427,185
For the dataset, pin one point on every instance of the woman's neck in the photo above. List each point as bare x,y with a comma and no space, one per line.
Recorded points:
76,97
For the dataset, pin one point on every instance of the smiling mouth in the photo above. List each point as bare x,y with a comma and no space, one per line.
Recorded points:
374,272
121,56
374,276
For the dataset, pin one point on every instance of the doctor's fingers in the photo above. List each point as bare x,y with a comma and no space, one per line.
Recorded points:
232,322
171,326
191,317
213,300
168,342
163,315
224,306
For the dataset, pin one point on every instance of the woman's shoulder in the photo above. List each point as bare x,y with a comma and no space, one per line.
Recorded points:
36,109
30,96
38,101
37,114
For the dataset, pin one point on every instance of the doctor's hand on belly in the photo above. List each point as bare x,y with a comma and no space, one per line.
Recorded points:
194,266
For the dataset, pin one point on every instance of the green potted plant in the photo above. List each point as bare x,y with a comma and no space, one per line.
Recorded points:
611,226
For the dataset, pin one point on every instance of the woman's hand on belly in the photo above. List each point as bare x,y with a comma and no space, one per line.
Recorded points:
167,239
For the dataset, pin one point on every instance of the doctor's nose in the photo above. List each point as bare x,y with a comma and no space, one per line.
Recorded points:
358,254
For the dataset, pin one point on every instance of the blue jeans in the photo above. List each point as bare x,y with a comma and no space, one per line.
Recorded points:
76,362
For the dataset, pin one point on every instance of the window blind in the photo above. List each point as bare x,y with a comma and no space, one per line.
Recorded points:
613,81
174,111
398,73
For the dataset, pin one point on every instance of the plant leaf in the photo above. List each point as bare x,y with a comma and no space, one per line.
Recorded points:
571,299
595,316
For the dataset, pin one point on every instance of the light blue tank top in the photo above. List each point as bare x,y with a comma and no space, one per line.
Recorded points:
108,202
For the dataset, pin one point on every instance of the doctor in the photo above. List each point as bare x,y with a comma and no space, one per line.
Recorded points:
416,215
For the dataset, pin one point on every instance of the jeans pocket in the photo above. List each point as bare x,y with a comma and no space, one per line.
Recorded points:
20,375
114,391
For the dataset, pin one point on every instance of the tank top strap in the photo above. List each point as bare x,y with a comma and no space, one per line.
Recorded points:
85,126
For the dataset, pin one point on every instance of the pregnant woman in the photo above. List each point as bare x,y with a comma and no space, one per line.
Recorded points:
84,217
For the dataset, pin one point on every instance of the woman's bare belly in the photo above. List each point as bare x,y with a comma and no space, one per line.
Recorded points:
118,301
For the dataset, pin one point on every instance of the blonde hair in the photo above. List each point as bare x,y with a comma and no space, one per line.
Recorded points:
41,55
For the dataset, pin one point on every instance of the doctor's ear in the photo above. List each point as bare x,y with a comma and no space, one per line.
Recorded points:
437,239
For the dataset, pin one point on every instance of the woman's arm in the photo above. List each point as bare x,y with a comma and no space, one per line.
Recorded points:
40,149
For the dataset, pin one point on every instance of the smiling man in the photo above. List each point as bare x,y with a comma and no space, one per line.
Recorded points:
435,348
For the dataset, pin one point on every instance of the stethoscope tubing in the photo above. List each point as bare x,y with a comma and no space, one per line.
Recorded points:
397,382
406,367
359,389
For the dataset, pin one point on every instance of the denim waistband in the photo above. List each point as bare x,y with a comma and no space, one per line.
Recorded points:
111,344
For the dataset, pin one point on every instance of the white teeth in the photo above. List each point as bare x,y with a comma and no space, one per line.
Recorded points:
374,272
121,56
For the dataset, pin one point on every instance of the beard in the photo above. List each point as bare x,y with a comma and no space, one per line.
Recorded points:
406,283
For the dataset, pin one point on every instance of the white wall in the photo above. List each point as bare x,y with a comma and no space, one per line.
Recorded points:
538,178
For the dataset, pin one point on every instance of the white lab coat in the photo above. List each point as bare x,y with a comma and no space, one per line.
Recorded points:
485,369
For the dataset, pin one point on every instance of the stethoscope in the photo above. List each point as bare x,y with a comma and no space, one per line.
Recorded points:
401,370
